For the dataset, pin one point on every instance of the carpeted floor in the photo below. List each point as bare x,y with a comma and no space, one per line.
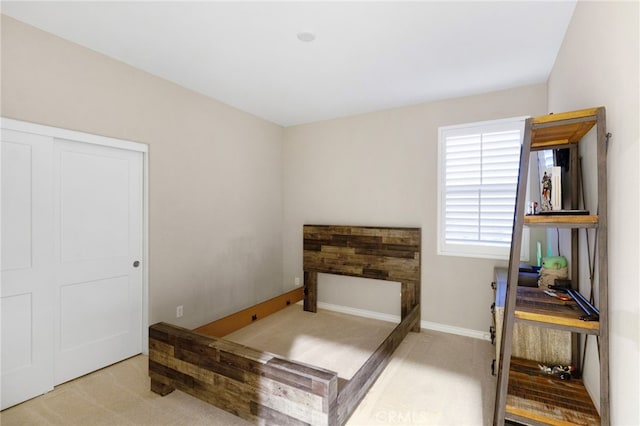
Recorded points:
432,379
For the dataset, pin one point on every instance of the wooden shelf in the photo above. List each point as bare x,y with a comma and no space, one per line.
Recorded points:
562,221
555,130
534,305
535,396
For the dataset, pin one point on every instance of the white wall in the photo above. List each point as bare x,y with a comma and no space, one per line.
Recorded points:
215,172
598,65
380,169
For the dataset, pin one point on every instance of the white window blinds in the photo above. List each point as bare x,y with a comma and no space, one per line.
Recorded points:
478,176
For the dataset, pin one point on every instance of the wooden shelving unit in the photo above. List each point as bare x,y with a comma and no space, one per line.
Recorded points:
525,394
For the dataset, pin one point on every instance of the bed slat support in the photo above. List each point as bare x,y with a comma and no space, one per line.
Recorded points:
243,318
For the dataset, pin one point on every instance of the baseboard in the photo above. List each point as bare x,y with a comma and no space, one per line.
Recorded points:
460,331
427,325
359,312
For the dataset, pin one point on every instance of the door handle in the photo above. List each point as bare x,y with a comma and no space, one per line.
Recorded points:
136,263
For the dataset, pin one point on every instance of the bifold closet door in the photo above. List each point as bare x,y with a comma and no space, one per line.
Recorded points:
26,294
98,221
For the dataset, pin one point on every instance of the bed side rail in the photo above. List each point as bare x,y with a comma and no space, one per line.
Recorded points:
356,388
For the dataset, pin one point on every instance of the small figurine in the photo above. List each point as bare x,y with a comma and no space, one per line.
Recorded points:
563,372
546,192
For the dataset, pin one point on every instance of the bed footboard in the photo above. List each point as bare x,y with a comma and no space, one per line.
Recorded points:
252,384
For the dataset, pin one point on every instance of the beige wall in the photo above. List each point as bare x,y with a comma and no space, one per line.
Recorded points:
380,169
598,65
215,172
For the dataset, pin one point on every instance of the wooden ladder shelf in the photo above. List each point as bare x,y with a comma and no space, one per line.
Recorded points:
525,394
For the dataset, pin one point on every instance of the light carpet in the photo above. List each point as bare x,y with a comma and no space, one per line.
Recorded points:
433,378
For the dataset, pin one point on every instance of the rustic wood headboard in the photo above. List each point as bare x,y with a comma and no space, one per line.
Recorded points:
391,254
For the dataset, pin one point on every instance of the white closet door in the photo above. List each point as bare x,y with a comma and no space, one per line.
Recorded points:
98,247
27,247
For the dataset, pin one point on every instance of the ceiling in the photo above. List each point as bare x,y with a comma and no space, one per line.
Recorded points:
366,56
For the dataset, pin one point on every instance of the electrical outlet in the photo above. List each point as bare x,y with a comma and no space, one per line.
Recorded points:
179,311
297,281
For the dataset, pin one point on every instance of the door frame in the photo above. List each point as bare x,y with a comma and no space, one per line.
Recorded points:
82,137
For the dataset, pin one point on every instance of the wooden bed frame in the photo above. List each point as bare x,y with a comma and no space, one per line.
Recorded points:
269,389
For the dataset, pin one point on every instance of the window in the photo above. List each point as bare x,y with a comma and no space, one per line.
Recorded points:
478,166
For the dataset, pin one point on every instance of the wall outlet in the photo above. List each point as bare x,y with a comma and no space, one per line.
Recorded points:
179,311
297,281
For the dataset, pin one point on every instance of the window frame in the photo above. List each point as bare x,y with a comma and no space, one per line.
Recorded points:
476,250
